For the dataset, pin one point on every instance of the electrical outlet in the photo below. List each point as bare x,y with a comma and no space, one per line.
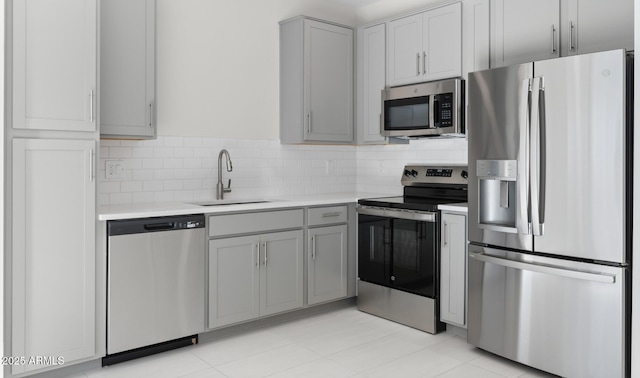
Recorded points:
114,169
331,167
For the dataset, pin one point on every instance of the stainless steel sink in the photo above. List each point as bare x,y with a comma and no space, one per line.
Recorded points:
227,202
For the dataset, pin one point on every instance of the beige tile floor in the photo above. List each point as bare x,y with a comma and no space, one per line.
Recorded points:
339,343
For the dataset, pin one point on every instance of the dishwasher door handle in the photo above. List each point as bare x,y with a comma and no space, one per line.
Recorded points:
159,226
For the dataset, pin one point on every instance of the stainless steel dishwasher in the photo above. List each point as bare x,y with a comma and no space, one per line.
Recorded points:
155,285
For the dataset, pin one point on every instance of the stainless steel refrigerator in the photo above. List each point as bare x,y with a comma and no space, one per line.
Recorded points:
550,213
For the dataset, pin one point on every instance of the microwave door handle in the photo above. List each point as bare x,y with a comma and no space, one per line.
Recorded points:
523,224
431,111
436,112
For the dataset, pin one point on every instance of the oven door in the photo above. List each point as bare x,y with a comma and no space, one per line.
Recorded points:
398,249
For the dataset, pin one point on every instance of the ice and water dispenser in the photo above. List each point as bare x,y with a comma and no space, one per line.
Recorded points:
497,183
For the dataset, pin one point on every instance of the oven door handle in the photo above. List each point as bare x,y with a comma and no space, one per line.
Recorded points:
421,216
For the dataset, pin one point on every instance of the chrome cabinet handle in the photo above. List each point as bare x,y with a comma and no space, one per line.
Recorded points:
417,64
572,27
91,115
313,247
444,236
547,269
150,114
424,62
553,39
309,123
257,248
264,246
331,215
91,167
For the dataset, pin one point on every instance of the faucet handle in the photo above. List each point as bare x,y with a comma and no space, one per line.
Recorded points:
228,188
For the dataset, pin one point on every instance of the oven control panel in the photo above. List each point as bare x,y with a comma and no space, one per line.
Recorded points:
421,174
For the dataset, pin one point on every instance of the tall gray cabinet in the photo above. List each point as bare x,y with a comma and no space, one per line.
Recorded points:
316,82
51,150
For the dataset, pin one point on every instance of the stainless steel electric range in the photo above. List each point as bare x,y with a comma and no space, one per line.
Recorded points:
399,246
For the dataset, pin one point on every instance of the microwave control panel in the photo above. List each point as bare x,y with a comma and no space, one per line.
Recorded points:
443,112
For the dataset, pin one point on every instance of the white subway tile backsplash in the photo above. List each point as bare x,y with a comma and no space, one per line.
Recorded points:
185,168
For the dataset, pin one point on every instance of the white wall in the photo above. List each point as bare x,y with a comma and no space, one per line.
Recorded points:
218,62
389,8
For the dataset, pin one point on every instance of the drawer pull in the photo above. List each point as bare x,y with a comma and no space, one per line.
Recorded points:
331,215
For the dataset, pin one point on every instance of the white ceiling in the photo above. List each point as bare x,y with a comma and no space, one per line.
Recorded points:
355,3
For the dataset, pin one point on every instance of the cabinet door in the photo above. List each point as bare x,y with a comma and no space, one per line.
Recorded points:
234,280
475,36
596,25
442,39
328,82
373,66
327,264
53,250
54,64
127,68
281,285
453,275
404,43
524,31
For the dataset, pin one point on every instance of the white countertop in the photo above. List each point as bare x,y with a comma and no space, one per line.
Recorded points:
457,207
145,210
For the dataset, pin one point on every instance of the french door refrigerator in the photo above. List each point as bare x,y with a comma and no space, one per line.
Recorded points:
550,213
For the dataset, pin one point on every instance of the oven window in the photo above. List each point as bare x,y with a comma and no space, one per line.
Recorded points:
414,256
398,253
406,114
373,252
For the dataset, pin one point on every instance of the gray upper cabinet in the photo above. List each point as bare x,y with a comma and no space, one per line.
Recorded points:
316,82
55,65
425,46
596,25
524,30
371,82
475,36
527,30
127,68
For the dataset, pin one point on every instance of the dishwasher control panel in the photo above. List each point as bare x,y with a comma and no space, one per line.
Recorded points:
155,224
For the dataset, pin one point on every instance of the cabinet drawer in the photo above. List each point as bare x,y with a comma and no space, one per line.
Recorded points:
327,215
222,225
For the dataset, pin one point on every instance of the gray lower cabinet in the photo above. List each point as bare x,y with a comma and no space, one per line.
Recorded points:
453,269
316,82
53,252
326,264
127,68
253,276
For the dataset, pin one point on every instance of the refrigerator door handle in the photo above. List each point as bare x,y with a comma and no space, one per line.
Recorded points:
546,269
537,159
534,156
523,222
542,184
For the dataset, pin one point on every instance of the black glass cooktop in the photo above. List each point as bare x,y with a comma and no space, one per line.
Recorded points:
420,198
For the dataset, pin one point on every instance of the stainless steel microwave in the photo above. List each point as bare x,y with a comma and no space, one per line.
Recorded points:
424,109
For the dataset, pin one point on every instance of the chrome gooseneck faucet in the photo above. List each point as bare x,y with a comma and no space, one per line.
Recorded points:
220,189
